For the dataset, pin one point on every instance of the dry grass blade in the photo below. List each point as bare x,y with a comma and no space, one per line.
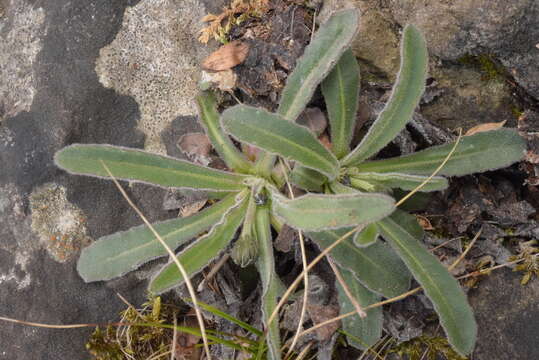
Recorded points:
357,306
172,256
305,272
405,295
411,193
465,252
315,261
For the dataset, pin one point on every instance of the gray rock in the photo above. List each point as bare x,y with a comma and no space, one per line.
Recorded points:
51,96
507,314
507,29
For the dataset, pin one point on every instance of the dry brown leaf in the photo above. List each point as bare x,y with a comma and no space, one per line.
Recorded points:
196,146
227,56
185,343
314,119
224,80
485,127
424,222
324,139
192,208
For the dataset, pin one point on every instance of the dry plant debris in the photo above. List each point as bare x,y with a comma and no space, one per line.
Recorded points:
227,56
238,11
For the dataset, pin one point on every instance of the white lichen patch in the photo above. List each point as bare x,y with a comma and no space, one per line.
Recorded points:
154,58
16,238
60,225
21,29
22,281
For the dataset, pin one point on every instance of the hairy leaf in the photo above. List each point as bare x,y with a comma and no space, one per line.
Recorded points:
442,289
315,212
114,255
327,46
377,267
273,133
408,222
271,284
307,179
367,331
140,166
476,153
403,101
209,118
367,236
403,181
205,249
340,89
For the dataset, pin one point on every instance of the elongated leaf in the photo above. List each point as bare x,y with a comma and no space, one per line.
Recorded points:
442,289
315,212
223,315
114,255
477,153
205,249
377,267
140,166
403,181
209,118
403,101
367,331
408,222
273,133
329,42
271,285
341,91
307,179
367,236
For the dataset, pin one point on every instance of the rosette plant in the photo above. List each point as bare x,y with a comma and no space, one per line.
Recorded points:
345,189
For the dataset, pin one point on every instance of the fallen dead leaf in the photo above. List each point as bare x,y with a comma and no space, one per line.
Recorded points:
196,146
324,139
192,208
226,57
223,80
314,119
186,348
424,222
485,127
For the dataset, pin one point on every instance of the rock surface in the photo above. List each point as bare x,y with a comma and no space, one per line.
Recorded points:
506,314
51,96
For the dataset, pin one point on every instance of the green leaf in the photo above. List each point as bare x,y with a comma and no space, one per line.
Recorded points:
307,179
319,57
367,331
476,153
341,91
114,255
408,222
367,236
271,285
403,101
205,249
140,166
223,315
403,181
377,267
441,288
315,212
209,118
273,133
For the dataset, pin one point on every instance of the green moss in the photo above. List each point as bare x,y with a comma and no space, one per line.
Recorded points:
486,63
425,347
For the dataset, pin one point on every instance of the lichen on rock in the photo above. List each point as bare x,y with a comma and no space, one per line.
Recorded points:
22,28
60,225
155,58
